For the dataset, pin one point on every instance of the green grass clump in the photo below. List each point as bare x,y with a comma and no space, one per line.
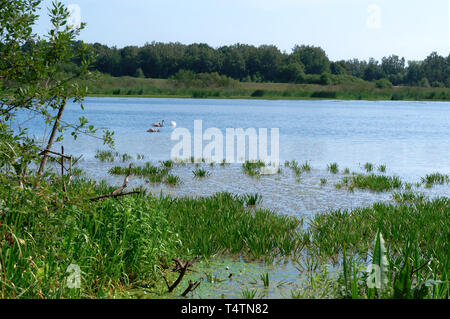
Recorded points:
172,180
382,168
323,181
200,173
111,156
306,167
252,199
265,279
378,183
167,164
408,197
435,179
77,172
105,156
153,173
368,167
126,157
333,168
252,168
247,293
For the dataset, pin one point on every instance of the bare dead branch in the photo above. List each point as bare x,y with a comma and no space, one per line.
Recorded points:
182,267
54,153
125,182
93,199
192,286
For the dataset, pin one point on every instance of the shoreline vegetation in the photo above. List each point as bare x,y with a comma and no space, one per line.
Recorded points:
126,246
215,88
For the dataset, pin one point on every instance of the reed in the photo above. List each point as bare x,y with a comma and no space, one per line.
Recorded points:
252,199
333,168
200,173
253,168
408,197
265,278
415,233
382,168
167,164
435,179
172,180
105,155
368,167
247,293
306,167
378,183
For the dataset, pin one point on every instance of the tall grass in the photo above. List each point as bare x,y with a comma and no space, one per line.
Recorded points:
142,171
222,224
111,156
378,183
121,243
333,168
200,173
252,168
435,179
416,235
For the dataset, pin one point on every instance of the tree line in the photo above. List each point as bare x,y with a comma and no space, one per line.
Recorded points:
265,63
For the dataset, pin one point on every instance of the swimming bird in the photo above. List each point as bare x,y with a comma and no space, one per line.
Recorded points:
173,124
158,124
153,130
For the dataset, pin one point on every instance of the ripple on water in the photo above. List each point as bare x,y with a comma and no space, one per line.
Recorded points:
283,192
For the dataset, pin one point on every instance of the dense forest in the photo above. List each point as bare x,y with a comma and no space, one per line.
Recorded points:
266,63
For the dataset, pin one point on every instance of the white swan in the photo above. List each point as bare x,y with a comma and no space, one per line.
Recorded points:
173,124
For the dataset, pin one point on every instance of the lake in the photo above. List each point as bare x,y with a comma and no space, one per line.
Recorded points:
411,138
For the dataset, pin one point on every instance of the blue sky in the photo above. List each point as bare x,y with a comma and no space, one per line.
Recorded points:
344,28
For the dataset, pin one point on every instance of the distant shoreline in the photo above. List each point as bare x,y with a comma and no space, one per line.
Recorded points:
108,86
258,98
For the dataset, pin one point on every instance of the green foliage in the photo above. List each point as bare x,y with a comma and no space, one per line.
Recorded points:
383,84
292,73
333,168
378,183
313,58
39,75
200,173
189,79
435,179
258,93
251,199
253,168
415,247
368,167
325,79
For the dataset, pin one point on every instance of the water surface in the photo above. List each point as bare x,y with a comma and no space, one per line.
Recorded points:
411,138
